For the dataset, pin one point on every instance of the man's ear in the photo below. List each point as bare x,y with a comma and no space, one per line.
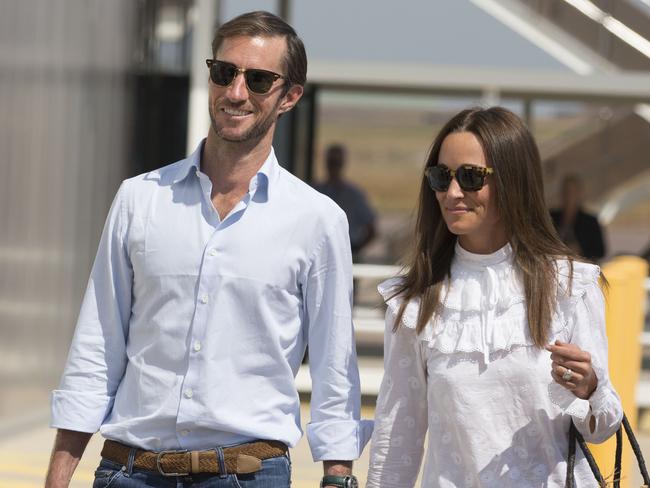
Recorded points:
291,98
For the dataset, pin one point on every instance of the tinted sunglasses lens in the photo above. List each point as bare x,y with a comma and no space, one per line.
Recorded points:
470,179
222,73
259,81
439,178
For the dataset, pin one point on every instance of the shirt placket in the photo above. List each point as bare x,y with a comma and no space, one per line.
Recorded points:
191,402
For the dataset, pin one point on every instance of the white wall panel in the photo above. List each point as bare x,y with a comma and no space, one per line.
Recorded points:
64,144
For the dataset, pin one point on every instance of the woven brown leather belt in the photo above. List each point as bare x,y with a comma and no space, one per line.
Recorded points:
241,459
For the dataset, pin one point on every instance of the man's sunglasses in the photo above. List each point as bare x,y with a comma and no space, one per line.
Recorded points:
470,178
258,81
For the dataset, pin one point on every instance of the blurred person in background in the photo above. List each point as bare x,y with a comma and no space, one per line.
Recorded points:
212,276
495,335
578,229
353,201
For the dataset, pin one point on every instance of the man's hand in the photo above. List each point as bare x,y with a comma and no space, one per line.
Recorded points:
69,445
336,468
571,368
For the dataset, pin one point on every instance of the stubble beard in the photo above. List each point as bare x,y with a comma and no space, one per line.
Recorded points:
256,132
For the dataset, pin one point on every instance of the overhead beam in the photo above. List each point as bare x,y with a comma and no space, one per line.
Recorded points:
548,37
455,80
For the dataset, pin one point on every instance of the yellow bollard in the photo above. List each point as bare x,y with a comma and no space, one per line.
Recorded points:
625,306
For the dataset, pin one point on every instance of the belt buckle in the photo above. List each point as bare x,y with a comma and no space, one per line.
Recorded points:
159,461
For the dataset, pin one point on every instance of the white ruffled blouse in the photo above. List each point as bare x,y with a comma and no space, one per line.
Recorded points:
475,380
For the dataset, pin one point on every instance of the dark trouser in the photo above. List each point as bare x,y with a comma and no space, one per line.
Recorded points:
275,473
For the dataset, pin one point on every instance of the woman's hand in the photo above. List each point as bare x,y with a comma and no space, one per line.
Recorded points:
571,368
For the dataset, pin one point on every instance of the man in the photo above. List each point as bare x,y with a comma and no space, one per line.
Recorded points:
349,197
578,229
212,276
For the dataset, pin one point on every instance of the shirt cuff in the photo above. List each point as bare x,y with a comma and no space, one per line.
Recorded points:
82,412
339,440
568,402
599,400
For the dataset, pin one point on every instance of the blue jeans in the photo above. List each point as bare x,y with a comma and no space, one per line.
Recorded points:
275,473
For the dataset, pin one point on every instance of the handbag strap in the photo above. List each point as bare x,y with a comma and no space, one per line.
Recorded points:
637,451
574,436
571,459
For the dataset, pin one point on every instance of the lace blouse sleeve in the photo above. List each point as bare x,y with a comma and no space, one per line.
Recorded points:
589,334
401,415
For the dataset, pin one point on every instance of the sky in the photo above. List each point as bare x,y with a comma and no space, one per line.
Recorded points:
442,32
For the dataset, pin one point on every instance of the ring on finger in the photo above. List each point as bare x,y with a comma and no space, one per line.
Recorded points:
567,375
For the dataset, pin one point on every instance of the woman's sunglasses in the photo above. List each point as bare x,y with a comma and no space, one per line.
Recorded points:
258,81
470,178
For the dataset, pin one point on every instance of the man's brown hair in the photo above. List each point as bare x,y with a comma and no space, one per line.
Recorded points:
265,24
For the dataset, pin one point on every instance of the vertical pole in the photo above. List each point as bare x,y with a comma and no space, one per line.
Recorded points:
284,10
312,128
528,113
625,303
491,96
198,120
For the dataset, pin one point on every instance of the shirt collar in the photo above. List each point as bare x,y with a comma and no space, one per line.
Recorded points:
260,185
191,164
505,254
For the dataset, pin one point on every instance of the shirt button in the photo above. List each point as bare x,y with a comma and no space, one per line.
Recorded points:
204,298
189,393
197,346
212,252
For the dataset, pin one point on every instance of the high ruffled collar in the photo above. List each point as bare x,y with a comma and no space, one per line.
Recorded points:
483,306
464,257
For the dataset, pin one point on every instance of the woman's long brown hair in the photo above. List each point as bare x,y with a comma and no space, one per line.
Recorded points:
517,179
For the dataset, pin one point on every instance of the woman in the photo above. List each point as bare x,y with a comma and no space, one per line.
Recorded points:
495,336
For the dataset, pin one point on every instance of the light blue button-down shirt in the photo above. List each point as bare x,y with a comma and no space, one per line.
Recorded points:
192,328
